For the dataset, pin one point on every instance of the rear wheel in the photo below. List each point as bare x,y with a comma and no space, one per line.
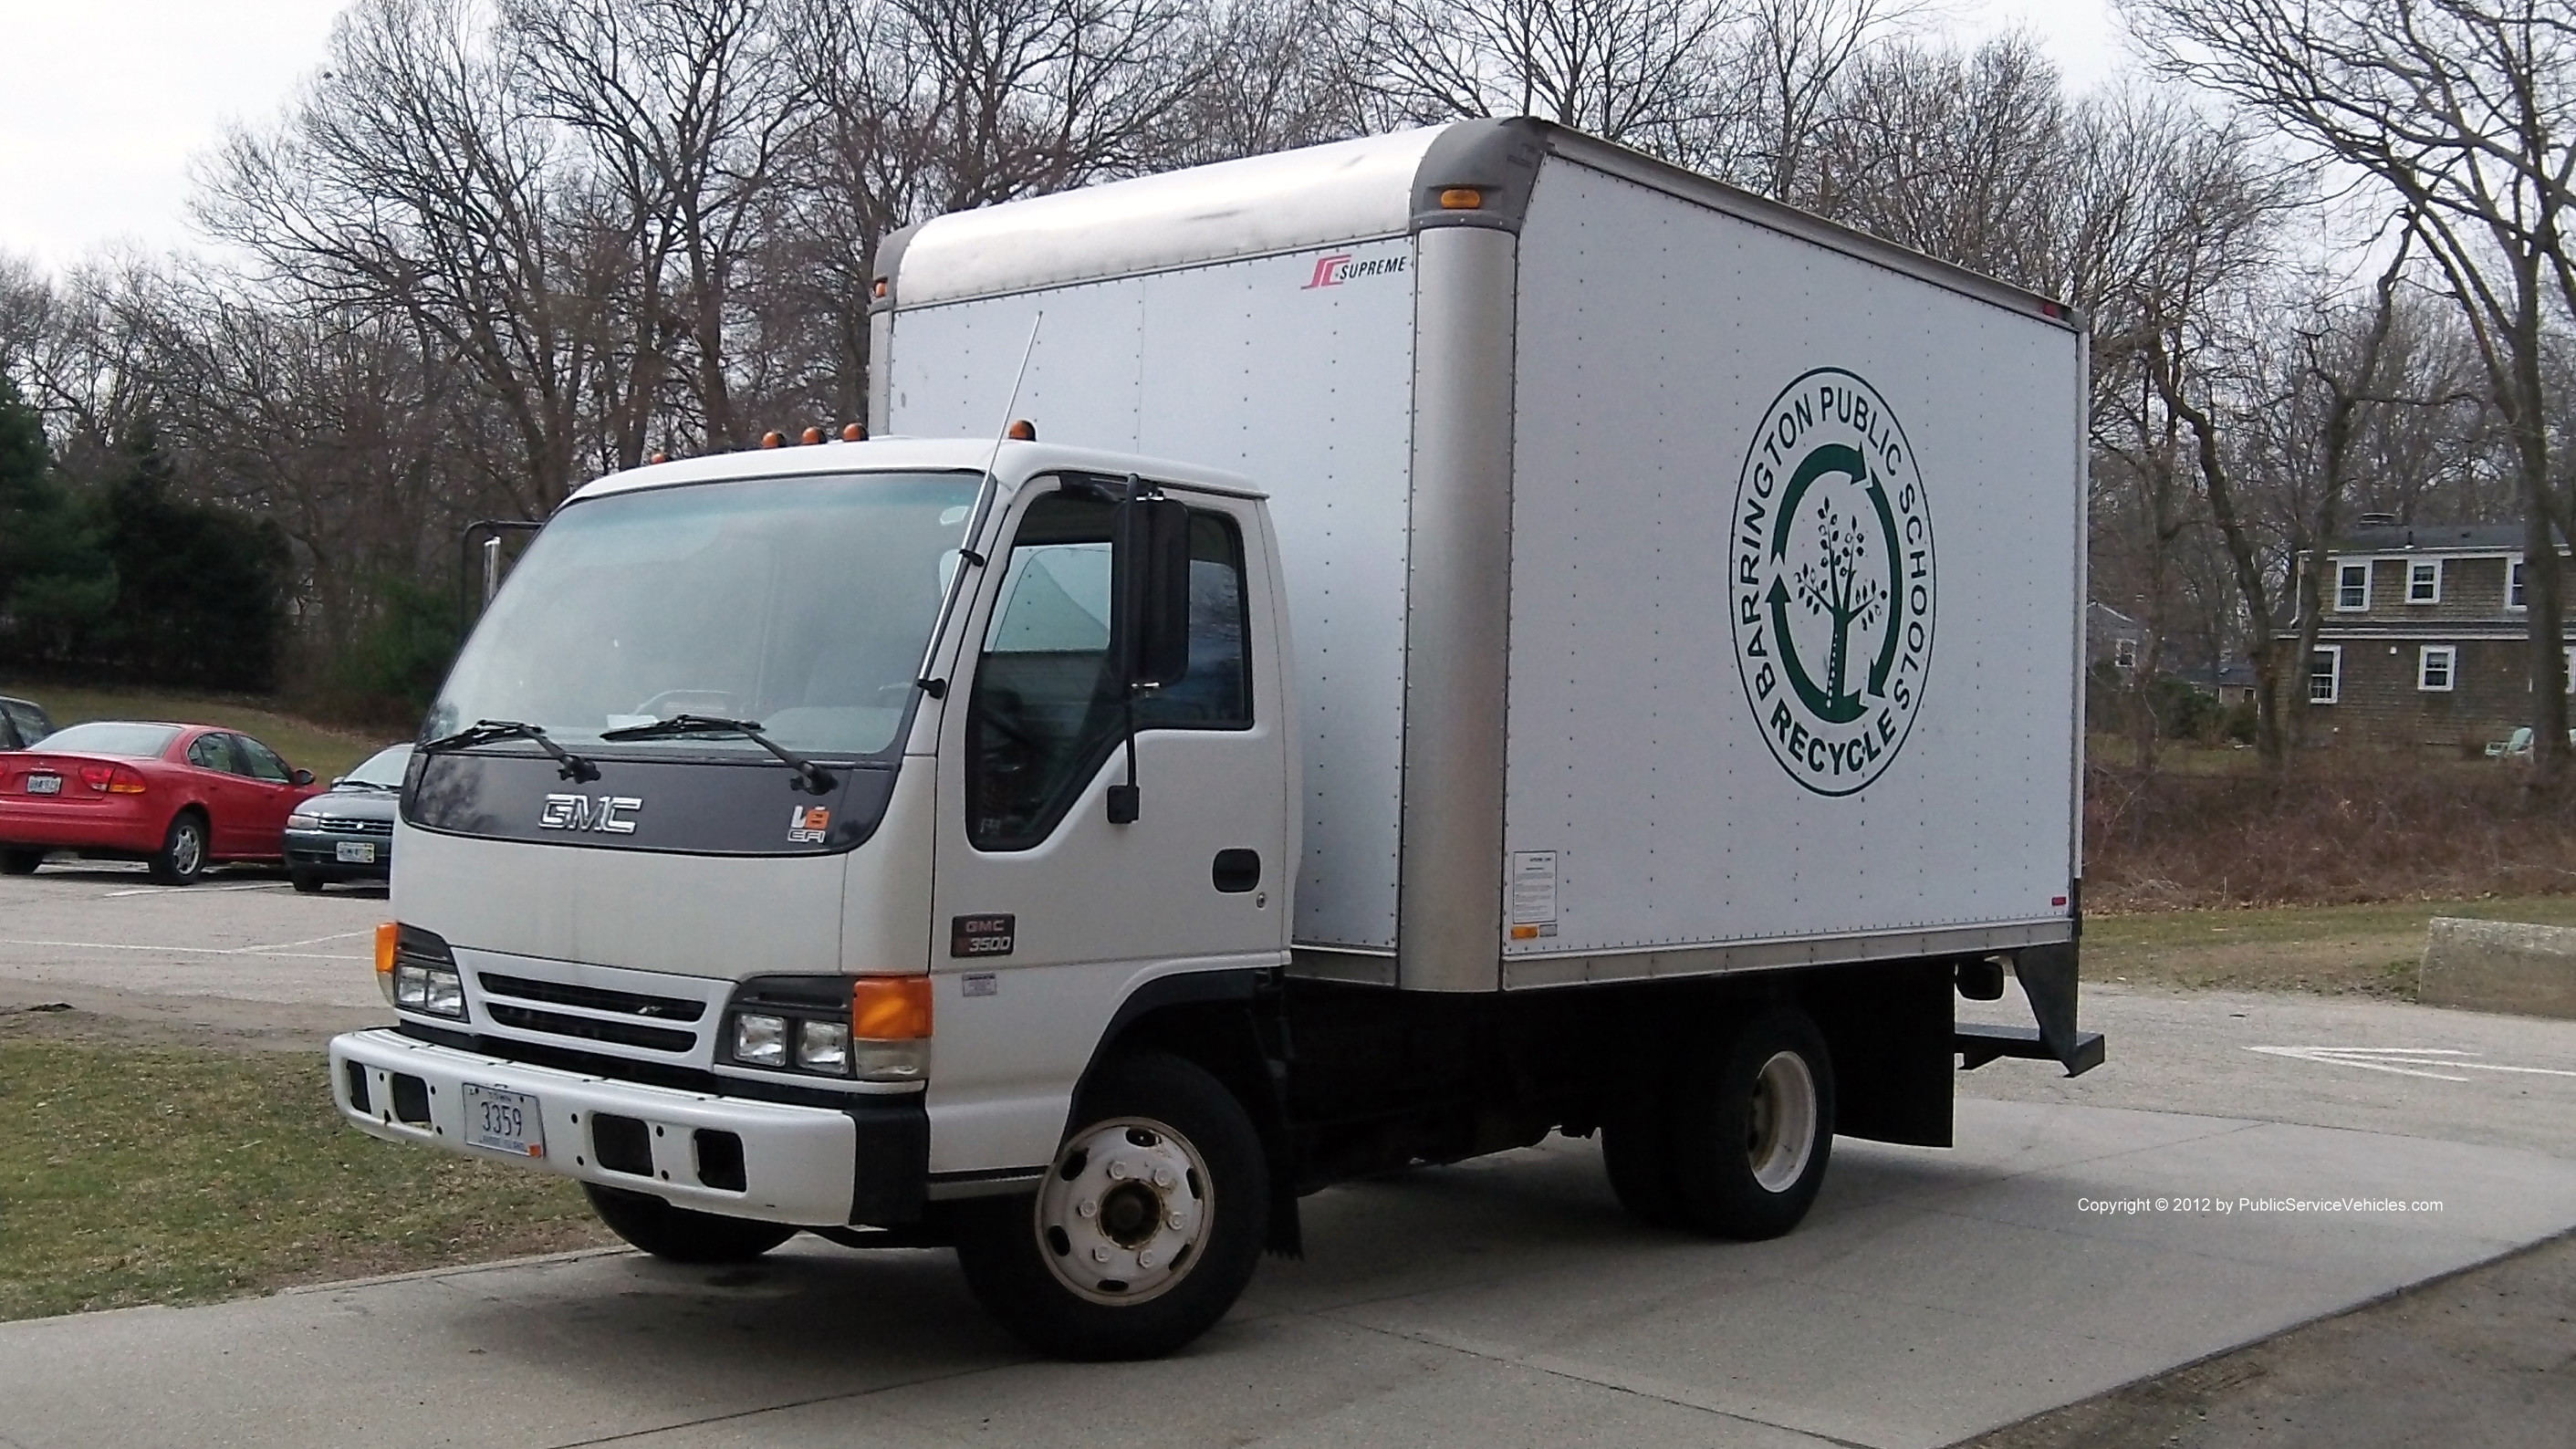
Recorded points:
20,862
1148,1225
683,1235
182,856
1751,1126
306,882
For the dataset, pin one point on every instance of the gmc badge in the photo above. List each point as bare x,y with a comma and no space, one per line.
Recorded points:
980,935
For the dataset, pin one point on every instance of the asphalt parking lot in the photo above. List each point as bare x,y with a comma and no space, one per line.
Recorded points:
2073,1242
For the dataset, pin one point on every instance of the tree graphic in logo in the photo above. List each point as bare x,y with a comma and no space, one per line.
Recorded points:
1834,586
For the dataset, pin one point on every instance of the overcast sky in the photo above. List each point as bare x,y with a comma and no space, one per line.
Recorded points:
103,103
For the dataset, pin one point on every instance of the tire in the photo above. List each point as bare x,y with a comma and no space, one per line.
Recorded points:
1751,1127
683,1235
1636,1151
1162,1182
306,882
20,862
182,856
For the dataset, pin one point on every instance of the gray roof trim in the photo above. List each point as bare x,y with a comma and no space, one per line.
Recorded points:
887,267
1498,156
1690,186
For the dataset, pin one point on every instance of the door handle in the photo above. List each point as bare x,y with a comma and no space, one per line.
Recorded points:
1235,871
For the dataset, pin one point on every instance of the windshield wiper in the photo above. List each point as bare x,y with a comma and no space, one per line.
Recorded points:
488,731
810,776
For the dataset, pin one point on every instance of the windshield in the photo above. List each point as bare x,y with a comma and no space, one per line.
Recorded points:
384,767
113,737
800,603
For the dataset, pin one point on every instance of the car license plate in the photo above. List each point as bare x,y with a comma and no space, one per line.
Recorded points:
44,784
358,852
504,1121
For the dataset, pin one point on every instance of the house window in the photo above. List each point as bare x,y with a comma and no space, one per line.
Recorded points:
2513,585
2352,587
2424,581
2325,674
2436,665
2124,652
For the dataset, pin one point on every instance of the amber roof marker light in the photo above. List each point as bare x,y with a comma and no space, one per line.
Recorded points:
855,433
1461,198
811,436
773,440
1023,431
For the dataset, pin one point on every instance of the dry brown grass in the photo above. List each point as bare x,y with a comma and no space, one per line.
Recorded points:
2336,829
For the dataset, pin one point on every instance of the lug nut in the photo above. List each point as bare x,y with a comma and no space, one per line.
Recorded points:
1088,1208
1174,1219
1118,1172
1100,1255
1162,1177
1144,1260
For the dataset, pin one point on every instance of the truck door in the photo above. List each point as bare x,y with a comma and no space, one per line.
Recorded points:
1048,915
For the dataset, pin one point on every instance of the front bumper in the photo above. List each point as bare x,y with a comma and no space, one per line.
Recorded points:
319,850
811,1166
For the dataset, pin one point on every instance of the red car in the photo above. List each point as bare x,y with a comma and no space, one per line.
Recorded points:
179,796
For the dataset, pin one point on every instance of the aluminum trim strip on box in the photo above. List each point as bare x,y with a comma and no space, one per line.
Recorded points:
1523,972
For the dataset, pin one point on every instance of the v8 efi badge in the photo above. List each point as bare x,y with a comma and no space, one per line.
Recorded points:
980,935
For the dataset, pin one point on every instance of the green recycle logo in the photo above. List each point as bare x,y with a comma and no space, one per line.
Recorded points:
1832,575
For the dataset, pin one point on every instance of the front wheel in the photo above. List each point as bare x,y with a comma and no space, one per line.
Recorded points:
1147,1227
306,882
182,856
682,1235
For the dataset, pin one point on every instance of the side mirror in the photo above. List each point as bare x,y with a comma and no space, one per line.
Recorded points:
1149,588
302,777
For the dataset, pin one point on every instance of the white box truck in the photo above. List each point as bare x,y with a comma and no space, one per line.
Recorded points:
1488,634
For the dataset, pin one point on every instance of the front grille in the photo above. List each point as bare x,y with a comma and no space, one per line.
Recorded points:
651,1038
339,826
594,998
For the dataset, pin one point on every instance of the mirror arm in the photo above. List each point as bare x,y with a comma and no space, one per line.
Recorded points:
1127,802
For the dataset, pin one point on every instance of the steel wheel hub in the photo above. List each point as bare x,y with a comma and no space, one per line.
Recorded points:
1780,1130
1125,1210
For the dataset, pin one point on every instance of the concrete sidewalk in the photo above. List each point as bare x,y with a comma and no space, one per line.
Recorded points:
1931,1296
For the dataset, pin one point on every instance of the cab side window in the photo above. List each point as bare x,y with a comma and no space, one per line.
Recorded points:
1045,714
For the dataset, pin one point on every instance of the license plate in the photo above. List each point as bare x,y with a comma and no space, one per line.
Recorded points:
44,784
503,1121
358,852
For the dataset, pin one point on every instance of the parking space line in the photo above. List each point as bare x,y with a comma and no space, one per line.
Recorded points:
2405,1061
256,885
278,950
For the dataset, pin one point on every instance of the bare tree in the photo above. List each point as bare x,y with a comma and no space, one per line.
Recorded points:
2466,110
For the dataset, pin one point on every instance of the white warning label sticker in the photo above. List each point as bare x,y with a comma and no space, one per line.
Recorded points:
1533,894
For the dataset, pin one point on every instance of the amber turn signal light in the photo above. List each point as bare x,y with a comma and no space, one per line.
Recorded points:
1461,198
890,1008
386,934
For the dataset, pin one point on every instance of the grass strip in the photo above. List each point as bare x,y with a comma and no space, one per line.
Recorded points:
180,1175
2365,950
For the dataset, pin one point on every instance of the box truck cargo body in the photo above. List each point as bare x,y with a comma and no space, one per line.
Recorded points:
1482,633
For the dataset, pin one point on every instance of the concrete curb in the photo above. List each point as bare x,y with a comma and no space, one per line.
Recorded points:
2499,966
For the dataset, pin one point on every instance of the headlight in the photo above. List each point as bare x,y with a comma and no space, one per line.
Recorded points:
760,1041
428,989
823,1046
301,821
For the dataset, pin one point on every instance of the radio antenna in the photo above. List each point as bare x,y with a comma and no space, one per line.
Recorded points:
1002,434
937,688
